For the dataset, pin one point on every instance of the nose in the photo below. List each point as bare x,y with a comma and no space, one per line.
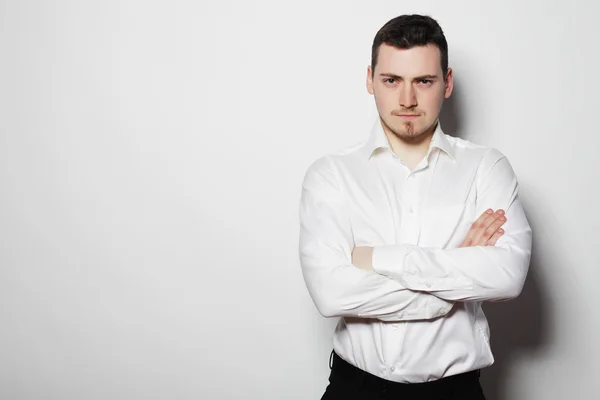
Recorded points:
408,98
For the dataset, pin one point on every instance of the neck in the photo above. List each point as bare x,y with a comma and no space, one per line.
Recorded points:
411,150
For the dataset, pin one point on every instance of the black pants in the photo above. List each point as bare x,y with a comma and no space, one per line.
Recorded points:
347,382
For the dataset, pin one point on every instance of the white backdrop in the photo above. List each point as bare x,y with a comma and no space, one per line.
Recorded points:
151,156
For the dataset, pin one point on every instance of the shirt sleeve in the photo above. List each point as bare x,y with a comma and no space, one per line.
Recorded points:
337,287
470,273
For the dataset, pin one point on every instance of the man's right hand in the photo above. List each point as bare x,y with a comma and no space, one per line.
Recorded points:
486,230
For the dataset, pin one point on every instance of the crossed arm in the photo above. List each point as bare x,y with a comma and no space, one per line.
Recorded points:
403,282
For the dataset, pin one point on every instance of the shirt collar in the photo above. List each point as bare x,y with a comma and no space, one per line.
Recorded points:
378,140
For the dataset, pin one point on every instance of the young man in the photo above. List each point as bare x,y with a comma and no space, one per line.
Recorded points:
401,235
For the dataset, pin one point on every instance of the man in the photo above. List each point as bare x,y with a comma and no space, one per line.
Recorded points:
405,235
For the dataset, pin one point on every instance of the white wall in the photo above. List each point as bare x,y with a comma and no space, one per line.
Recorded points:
151,155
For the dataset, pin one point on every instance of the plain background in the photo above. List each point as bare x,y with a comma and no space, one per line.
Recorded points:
151,157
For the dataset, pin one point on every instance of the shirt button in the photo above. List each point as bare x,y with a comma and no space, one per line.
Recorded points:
410,210
392,368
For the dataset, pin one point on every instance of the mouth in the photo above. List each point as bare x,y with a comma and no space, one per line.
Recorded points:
408,116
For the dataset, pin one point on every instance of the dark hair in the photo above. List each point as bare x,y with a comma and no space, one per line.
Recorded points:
407,31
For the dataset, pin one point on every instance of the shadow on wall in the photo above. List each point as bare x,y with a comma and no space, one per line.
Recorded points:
451,114
518,327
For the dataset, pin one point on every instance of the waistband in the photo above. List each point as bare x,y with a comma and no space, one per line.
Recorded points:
367,381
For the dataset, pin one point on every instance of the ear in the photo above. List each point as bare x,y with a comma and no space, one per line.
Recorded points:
449,83
370,80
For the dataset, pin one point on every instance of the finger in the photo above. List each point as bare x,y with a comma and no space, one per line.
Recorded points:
492,219
479,222
492,242
486,230
493,228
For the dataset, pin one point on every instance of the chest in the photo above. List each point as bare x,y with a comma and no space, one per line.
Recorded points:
433,207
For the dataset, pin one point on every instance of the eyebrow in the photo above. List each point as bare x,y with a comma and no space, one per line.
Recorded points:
417,78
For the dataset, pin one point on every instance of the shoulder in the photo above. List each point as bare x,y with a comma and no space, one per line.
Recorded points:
468,152
490,165
330,164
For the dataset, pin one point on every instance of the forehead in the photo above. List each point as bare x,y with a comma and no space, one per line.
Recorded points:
416,61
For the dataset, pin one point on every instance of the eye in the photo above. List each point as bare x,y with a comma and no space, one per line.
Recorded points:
391,81
425,81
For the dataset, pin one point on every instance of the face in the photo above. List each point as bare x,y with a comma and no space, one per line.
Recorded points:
409,89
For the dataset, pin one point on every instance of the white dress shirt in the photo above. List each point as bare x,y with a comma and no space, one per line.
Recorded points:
417,317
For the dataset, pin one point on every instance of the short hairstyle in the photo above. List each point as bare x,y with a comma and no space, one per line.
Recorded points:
407,31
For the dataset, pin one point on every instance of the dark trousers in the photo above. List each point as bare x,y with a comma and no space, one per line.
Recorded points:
347,382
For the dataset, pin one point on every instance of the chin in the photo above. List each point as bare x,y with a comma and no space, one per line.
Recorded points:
409,137
414,133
